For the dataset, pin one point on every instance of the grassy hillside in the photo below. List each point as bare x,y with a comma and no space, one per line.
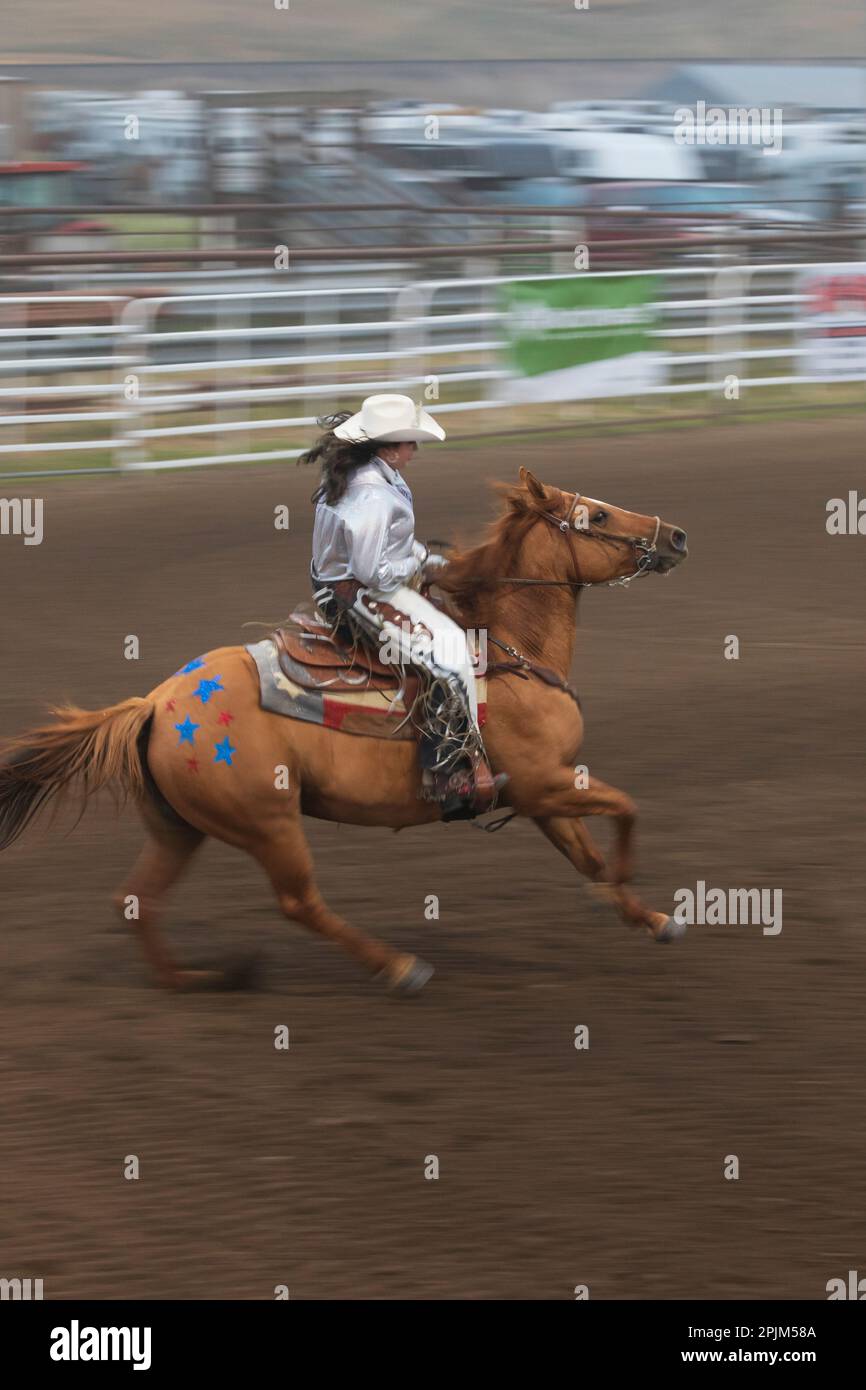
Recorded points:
221,30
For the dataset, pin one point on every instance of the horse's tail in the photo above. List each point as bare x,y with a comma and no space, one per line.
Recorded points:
96,748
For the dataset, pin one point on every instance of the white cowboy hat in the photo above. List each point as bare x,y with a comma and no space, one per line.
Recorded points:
392,419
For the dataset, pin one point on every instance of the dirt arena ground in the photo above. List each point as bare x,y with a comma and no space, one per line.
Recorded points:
558,1167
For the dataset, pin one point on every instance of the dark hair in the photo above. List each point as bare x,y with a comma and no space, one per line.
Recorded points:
338,458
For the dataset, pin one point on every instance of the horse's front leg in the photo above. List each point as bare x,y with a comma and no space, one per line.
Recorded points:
574,841
560,797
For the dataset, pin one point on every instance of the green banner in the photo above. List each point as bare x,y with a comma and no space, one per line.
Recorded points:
580,335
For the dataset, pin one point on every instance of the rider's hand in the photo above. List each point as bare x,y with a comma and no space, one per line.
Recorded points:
431,566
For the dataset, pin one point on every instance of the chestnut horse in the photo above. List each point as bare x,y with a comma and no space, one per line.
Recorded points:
201,757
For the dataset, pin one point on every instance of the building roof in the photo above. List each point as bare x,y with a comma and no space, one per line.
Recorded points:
830,85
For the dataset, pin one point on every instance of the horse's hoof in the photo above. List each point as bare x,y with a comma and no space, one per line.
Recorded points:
666,928
243,973
407,975
189,981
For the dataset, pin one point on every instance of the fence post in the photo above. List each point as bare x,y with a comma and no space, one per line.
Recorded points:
726,285
316,312
135,319
409,337
230,411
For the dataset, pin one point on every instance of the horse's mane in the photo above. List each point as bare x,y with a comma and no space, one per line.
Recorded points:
471,575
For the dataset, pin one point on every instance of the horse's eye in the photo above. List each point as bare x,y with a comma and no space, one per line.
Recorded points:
600,518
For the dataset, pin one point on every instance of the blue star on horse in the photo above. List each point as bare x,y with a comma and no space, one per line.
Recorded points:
224,751
187,730
206,688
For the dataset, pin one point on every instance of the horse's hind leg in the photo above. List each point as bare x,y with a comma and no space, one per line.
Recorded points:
289,864
165,856
573,840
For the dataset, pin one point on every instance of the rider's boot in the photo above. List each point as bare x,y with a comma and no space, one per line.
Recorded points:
457,773
471,790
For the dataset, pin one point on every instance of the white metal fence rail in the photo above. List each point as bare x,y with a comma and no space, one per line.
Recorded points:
132,391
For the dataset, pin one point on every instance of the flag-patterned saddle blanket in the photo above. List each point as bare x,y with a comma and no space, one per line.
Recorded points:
306,671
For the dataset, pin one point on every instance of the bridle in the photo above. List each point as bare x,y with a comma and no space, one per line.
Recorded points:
644,552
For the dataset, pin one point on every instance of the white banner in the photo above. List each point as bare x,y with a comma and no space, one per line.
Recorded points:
833,327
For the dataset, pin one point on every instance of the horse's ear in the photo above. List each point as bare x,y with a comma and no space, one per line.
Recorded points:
530,482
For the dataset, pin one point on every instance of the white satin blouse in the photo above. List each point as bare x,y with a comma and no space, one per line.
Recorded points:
369,535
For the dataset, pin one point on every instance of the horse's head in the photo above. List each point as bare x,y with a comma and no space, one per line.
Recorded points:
599,543
560,540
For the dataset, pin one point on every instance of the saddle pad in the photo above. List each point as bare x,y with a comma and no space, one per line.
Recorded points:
369,713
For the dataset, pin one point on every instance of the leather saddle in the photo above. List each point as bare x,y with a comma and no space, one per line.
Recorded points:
317,656
309,670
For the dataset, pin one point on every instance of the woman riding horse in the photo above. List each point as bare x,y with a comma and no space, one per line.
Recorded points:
200,752
367,566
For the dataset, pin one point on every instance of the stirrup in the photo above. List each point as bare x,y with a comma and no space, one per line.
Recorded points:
471,800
